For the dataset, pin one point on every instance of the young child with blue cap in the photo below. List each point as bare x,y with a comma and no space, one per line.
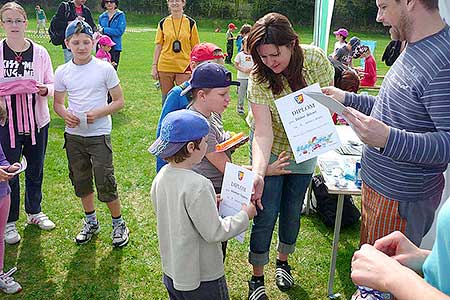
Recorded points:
189,227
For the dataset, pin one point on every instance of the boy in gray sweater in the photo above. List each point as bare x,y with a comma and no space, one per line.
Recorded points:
189,227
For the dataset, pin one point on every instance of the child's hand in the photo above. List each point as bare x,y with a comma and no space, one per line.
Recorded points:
14,167
4,175
218,200
91,116
71,120
250,210
277,167
43,90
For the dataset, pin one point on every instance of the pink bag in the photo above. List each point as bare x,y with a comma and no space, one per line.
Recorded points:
23,89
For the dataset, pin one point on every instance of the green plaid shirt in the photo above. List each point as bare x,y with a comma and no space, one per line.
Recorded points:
317,68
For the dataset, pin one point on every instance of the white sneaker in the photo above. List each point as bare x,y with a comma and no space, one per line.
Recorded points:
41,220
12,236
7,283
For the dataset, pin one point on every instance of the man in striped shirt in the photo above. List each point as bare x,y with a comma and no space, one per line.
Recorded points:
406,128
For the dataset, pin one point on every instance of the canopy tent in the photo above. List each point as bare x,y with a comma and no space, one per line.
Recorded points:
444,9
323,13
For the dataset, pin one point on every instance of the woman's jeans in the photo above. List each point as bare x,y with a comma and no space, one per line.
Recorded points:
282,199
34,173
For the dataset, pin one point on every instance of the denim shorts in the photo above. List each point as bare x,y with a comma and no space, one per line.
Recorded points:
91,157
282,199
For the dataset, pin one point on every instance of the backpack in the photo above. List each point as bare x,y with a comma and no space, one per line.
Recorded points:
326,205
392,52
57,27
191,22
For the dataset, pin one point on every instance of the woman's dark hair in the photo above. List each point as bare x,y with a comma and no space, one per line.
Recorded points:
104,3
276,29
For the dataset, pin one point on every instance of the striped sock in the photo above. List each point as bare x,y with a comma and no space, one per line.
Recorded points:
91,217
117,221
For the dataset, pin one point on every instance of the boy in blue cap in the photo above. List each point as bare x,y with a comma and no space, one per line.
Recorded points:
87,81
189,227
200,54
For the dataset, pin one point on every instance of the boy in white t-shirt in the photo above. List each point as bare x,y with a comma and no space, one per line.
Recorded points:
244,64
87,81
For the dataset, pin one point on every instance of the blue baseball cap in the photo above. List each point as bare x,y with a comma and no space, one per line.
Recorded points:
79,26
210,75
354,42
178,128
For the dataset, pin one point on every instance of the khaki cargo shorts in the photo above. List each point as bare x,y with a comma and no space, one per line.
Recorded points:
91,158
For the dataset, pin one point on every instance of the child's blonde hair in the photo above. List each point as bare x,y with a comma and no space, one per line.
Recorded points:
13,6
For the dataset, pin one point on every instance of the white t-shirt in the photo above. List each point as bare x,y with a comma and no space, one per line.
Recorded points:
244,61
338,45
87,88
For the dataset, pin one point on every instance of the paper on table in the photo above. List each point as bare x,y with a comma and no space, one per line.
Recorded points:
236,190
23,166
330,103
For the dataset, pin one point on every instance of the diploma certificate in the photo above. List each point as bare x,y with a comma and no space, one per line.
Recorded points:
308,124
236,190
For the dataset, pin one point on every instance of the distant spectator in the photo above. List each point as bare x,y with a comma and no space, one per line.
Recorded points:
369,74
105,45
175,37
345,54
113,24
245,30
341,34
230,42
66,13
41,19
244,64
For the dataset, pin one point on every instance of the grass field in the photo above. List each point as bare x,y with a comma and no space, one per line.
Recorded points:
52,266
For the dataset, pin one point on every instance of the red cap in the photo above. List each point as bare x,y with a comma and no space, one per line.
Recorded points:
204,52
232,26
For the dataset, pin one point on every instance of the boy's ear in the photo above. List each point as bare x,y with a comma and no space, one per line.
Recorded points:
66,41
201,95
190,147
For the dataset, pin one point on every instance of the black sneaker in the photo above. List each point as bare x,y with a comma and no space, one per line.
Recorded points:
283,277
86,233
256,290
120,235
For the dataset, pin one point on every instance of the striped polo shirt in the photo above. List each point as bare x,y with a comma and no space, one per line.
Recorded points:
414,100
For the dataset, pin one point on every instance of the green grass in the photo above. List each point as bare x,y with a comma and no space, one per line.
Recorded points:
52,266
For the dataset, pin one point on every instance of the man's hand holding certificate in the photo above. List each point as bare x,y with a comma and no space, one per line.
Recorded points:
236,191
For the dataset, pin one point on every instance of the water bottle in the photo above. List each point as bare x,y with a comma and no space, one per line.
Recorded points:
358,180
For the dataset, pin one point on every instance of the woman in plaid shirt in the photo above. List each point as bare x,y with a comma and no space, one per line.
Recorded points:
281,67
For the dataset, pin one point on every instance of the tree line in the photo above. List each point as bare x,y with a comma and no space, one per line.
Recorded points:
347,13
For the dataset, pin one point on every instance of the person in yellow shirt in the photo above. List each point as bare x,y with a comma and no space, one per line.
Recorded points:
175,37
